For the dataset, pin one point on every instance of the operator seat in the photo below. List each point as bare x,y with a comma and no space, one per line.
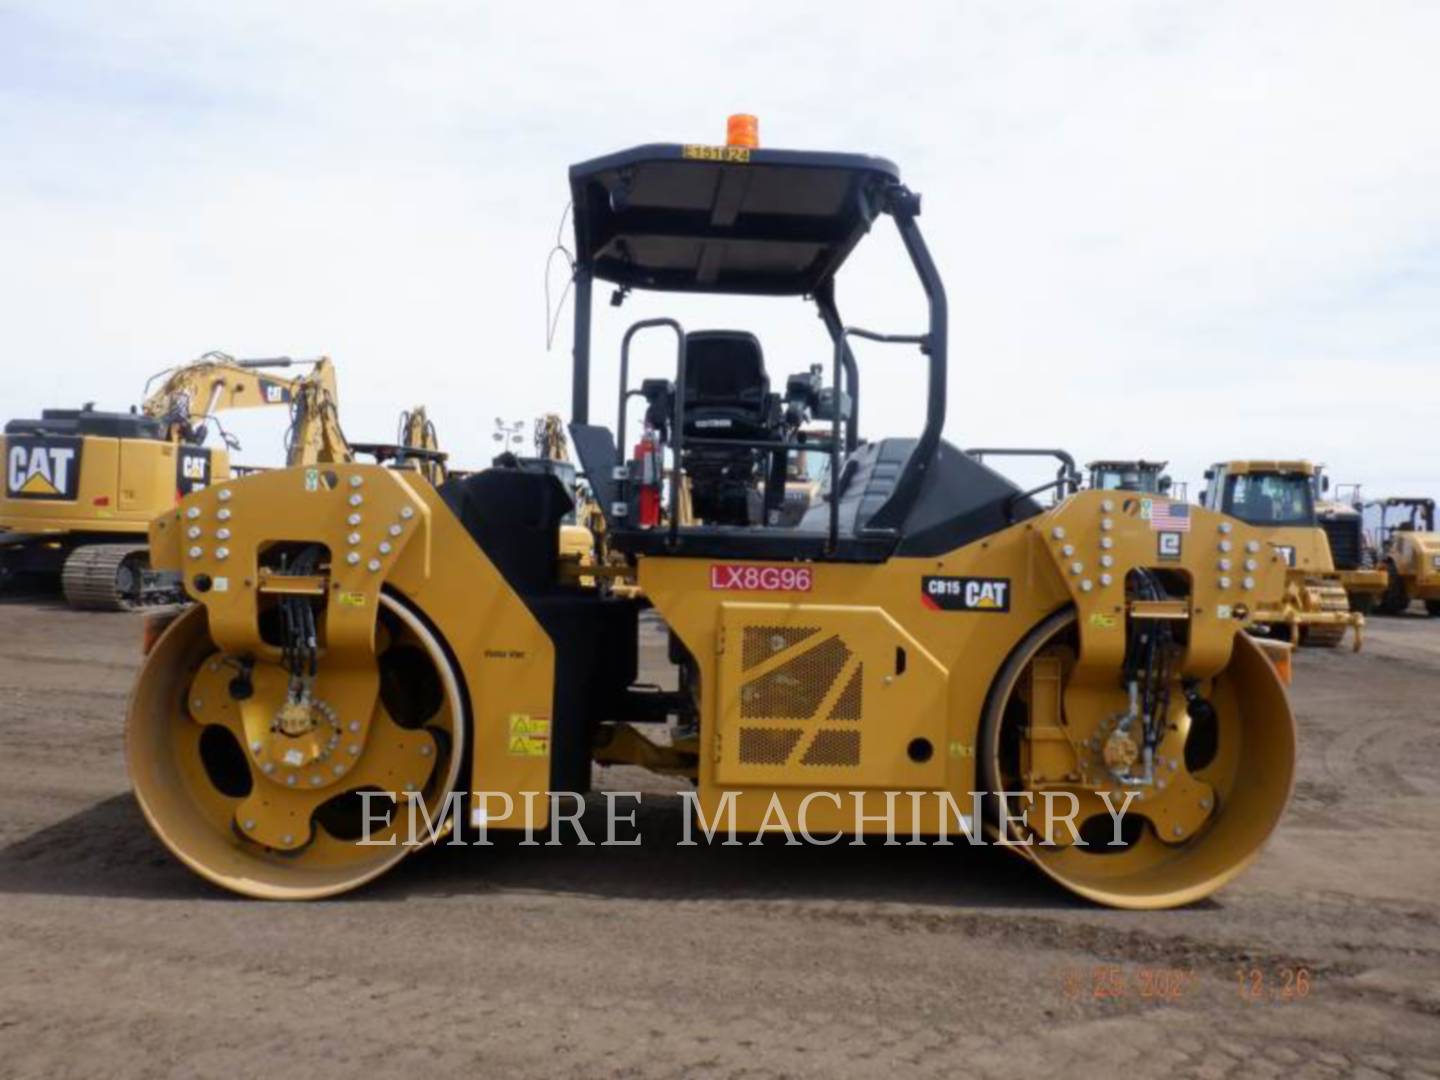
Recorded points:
727,391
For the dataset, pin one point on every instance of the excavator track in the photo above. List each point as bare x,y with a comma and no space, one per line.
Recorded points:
1326,597
115,577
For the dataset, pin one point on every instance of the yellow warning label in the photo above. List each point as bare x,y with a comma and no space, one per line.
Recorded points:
1101,621
529,735
352,599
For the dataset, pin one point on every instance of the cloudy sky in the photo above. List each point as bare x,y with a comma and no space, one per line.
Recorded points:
1189,231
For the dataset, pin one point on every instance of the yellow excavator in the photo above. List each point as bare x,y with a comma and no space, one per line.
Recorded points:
928,651
81,485
417,448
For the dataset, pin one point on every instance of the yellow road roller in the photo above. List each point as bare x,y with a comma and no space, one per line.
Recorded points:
927,651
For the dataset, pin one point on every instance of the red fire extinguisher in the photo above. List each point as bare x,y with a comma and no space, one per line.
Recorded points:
648,458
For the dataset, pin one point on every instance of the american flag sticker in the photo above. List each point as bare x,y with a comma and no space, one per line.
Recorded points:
1167,516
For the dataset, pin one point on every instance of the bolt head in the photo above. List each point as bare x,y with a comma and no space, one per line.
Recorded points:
384,547
353,558
424,749
287,839
224,494
356,499
395,530
193,513
248,824
223,514
373,565
407,512
290,780
1177,830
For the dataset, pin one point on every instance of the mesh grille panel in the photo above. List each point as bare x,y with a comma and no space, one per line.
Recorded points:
833,748
847,705
767,746
794,690
762,642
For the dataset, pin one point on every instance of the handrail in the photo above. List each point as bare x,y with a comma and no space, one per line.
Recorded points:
678,435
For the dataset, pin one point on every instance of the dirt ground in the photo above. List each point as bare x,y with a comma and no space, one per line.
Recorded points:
715,962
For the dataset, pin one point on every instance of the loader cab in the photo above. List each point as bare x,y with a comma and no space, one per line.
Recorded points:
1280,494
749,222
1147,477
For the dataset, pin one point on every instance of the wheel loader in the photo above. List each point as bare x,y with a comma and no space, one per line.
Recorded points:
82,485
1340,516
1279,498
927,652
1407,550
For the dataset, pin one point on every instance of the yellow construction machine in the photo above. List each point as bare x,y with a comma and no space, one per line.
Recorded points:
1279,499
1407,550
82,485
366,647
417,448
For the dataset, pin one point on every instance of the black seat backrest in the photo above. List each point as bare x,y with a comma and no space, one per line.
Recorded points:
725,369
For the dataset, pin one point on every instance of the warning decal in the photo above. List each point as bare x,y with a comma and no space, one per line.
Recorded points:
529,735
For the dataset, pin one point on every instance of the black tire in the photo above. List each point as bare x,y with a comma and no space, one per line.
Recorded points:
1394,600
1433,607
1364,603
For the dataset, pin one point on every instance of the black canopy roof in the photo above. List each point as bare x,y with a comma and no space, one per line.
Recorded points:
724,219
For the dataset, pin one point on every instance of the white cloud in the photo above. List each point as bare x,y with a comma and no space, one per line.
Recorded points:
1188,231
